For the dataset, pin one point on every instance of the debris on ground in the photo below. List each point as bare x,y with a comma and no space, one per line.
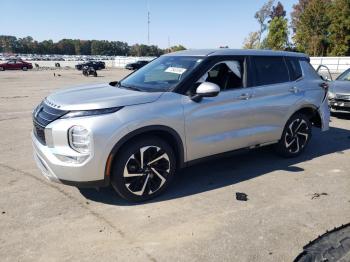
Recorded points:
317,195
241,196
3,212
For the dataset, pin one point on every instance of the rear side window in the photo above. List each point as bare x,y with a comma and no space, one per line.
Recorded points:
270,70
294,68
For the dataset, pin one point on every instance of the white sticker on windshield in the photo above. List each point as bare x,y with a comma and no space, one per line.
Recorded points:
176,70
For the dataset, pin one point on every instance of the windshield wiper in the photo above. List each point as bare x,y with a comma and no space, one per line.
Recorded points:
128,87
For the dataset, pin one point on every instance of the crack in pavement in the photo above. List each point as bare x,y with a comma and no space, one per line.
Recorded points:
92,212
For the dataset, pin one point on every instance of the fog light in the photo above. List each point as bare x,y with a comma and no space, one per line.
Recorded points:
72,159
79,139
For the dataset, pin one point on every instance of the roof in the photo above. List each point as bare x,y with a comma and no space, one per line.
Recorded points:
234,52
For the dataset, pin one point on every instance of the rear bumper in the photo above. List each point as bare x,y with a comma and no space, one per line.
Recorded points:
325,114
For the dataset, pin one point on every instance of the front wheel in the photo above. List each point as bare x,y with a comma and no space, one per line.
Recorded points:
295,137
24,68
144,169
2,68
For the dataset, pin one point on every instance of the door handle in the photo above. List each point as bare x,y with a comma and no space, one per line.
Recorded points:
294,90
244,96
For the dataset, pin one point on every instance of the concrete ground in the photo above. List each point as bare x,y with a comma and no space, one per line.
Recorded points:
197,219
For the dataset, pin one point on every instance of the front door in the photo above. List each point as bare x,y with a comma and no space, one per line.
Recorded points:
222,123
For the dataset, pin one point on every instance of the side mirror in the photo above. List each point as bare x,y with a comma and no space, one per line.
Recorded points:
206,89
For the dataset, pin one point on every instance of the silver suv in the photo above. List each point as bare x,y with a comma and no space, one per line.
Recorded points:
180,108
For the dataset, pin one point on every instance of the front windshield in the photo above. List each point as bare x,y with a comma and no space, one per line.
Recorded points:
162,74
345,76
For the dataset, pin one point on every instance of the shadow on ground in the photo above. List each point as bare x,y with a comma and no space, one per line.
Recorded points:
237,168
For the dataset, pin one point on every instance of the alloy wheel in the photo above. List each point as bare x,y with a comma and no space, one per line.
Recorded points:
297,136
146,170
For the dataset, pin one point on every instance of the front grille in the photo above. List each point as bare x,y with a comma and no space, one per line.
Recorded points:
39,132
341,108
342,97
42,116
45,114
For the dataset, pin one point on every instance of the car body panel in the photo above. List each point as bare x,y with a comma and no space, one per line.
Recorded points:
218,124
340,102
99,96
16,65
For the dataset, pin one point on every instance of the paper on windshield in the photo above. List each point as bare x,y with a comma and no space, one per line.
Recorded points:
176,70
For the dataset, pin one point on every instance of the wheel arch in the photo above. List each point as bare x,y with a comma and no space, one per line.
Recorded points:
166,133
312,113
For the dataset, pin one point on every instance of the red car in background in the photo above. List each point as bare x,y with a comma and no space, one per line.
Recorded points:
15,65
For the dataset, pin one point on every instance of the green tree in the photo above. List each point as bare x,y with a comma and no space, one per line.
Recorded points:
339,29
252,41
176,48
311,35
298,9
262,15
277,39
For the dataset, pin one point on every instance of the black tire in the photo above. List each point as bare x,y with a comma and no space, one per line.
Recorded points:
295,137
332,246
24,68
2,68
149,180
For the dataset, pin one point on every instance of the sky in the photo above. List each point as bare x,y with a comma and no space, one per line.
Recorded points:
192,23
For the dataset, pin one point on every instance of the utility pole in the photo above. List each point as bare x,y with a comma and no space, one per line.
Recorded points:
169,43
148,22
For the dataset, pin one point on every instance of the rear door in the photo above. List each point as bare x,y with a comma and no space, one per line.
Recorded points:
274,96
18,65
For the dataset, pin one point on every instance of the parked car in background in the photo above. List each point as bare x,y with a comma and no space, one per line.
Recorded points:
97,65
15,65
136,65
339,93
181,108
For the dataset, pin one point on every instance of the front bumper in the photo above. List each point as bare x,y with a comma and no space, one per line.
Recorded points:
339,106
69,174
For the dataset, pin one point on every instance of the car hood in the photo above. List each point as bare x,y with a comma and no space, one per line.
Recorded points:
340,87
98,96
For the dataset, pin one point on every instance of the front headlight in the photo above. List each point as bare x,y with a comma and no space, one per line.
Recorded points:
93,112
331,95
79,139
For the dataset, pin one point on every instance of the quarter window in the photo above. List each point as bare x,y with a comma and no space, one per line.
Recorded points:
270,70
294,68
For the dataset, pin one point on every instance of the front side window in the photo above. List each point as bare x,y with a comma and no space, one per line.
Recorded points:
227,75
161,74
345,76
270,70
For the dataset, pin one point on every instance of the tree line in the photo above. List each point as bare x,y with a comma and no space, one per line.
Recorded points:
317,27
27,45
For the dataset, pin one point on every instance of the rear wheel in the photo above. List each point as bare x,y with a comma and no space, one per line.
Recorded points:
295,137
2,68
144,169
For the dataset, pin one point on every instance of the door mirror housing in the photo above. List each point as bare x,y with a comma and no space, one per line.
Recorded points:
206,89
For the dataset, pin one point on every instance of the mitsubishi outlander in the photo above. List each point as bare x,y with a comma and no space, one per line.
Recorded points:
178,109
